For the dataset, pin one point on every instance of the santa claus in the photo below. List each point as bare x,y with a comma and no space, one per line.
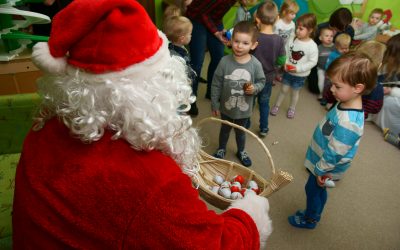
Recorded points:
109,161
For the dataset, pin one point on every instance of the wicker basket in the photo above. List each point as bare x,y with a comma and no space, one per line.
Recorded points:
211,166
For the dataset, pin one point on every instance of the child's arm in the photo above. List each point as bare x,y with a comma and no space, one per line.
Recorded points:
216,89
343,140
259,78
367,33
312,59
280,61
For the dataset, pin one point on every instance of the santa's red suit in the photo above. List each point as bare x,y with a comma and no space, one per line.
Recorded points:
105,195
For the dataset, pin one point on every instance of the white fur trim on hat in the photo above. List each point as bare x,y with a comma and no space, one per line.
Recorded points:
140,70
257,208
42,58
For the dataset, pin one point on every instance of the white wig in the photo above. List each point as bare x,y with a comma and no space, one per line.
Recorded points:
143,111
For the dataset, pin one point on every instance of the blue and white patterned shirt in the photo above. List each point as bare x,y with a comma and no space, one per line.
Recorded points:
335,142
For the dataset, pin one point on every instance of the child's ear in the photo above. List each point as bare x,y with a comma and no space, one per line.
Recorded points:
254,45
359,88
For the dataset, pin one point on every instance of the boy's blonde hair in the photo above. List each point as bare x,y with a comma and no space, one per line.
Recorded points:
289,6
354,68
373,49
267,13
343,40
172,10
177,26
309,21
247,28
377,11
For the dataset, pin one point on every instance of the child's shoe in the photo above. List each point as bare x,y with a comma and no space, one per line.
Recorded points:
244,158
391,137
194,111
290,113
274,110
263,132
303,213
302,222
220,154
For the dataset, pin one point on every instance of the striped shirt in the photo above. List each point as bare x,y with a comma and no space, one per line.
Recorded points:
335,142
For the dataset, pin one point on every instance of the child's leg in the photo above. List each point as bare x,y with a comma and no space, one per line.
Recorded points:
284,89
321,81
240,134
263,104
294,98
224,132
241,141
316,198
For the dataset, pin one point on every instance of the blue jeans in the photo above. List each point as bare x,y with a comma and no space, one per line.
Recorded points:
202,39
296,82
316,198
263,104
226,130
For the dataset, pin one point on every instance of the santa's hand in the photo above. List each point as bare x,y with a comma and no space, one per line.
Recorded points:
257,208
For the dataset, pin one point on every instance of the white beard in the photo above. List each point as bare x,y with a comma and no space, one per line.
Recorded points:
144,112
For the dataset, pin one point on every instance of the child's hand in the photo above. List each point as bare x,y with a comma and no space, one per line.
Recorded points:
248,88
321,179
387,90
290,68
215,113
221,37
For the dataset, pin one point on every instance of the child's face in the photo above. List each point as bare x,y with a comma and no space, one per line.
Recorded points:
374,18
290,16
242,44
302,32
343,92
326,37
342,48
185,39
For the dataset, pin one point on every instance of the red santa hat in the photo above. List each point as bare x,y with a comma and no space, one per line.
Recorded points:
102,37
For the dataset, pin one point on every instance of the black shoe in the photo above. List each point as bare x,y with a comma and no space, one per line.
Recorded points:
194,111
201,79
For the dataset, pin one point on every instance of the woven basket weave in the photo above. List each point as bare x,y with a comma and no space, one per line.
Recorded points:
211,166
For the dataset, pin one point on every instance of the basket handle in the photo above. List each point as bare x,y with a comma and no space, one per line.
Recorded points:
213,119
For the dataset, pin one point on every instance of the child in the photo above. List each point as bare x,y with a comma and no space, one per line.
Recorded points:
342,45
170,11
324,49
242,13
372,103
302,56
285,26
270,52
369,30
237,79
389,116
337,136
178,30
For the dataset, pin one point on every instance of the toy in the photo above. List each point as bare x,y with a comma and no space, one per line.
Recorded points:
328,182
218,179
